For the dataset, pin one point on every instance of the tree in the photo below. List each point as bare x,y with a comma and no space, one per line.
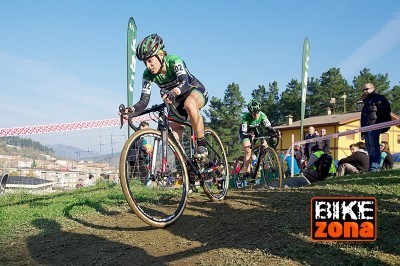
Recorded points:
269,101
331,86
381,82
225,116
394,98
290,101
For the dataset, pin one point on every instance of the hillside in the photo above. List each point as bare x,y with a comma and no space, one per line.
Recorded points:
28,148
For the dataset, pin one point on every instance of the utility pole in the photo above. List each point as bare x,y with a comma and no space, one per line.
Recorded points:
344,104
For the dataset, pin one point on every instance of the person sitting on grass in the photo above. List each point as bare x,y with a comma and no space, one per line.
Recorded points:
386,157
357,162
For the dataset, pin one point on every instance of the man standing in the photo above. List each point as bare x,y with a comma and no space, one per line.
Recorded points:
325,144
376,110
307,147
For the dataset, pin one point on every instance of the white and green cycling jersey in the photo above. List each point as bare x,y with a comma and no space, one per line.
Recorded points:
250,124
177,76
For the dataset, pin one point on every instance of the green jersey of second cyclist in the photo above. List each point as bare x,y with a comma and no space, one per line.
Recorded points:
250,124
177,76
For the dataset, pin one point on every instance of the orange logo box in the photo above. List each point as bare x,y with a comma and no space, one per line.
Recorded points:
343,219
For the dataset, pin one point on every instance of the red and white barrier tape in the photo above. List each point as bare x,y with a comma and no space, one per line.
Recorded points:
16,131
349,132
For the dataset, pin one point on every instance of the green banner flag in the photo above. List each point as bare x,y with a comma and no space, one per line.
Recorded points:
304,80
131,61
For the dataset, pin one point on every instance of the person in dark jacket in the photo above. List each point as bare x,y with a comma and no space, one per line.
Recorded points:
324,145
307,146
357,162
376,110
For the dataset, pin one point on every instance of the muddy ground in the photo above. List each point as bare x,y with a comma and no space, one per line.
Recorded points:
251,227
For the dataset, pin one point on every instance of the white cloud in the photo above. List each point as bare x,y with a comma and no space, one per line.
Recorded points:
383,41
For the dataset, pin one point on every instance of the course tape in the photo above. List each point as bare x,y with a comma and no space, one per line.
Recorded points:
16,131
349,132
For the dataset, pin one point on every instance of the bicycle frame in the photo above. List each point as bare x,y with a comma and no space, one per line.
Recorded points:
261,151
167,132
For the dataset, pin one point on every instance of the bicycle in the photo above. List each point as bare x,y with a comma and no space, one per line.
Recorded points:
267,169
156,182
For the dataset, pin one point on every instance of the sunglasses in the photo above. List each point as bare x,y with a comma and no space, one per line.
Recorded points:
365,89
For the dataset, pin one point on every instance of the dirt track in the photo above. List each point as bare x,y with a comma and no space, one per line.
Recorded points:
249,228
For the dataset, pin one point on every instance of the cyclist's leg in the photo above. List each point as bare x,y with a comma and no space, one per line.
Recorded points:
246,145
193,104
178,130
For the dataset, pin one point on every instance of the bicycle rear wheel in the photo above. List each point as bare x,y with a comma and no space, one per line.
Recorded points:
158,198
271,170
216,172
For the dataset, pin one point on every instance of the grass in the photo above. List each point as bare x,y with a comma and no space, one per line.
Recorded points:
19,211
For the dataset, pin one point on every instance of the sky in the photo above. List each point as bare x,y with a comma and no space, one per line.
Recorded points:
65,61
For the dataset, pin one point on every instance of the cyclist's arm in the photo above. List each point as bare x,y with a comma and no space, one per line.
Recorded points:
182,77
268,126
144,97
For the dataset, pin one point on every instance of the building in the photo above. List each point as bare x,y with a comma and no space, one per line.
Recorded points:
334,123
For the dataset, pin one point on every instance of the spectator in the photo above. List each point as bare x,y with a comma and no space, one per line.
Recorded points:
307,147
299,156
357,162
386,157
296,168
376,110
310,171
325,144
138,156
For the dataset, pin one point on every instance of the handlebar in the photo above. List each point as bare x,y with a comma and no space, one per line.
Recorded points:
154,108
171,107
271,137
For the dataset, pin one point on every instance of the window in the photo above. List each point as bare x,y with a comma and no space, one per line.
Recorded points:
398,139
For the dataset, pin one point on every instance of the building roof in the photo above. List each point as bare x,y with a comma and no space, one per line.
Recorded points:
328,120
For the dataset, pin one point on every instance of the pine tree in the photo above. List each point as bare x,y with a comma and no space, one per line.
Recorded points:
381,82
394,97
269,101
225,116
331,90
290,101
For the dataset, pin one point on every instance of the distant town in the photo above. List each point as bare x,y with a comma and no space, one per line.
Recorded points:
43,172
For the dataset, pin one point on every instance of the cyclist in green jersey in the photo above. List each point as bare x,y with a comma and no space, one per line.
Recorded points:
177,86
249,128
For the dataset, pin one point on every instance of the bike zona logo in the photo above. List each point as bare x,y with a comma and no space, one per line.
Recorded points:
343,219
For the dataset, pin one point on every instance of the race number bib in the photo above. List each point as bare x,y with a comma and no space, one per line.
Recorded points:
179,69
244,128
146,86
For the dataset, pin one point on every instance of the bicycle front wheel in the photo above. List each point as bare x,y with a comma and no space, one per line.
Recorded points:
157,197
271,170
216,172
